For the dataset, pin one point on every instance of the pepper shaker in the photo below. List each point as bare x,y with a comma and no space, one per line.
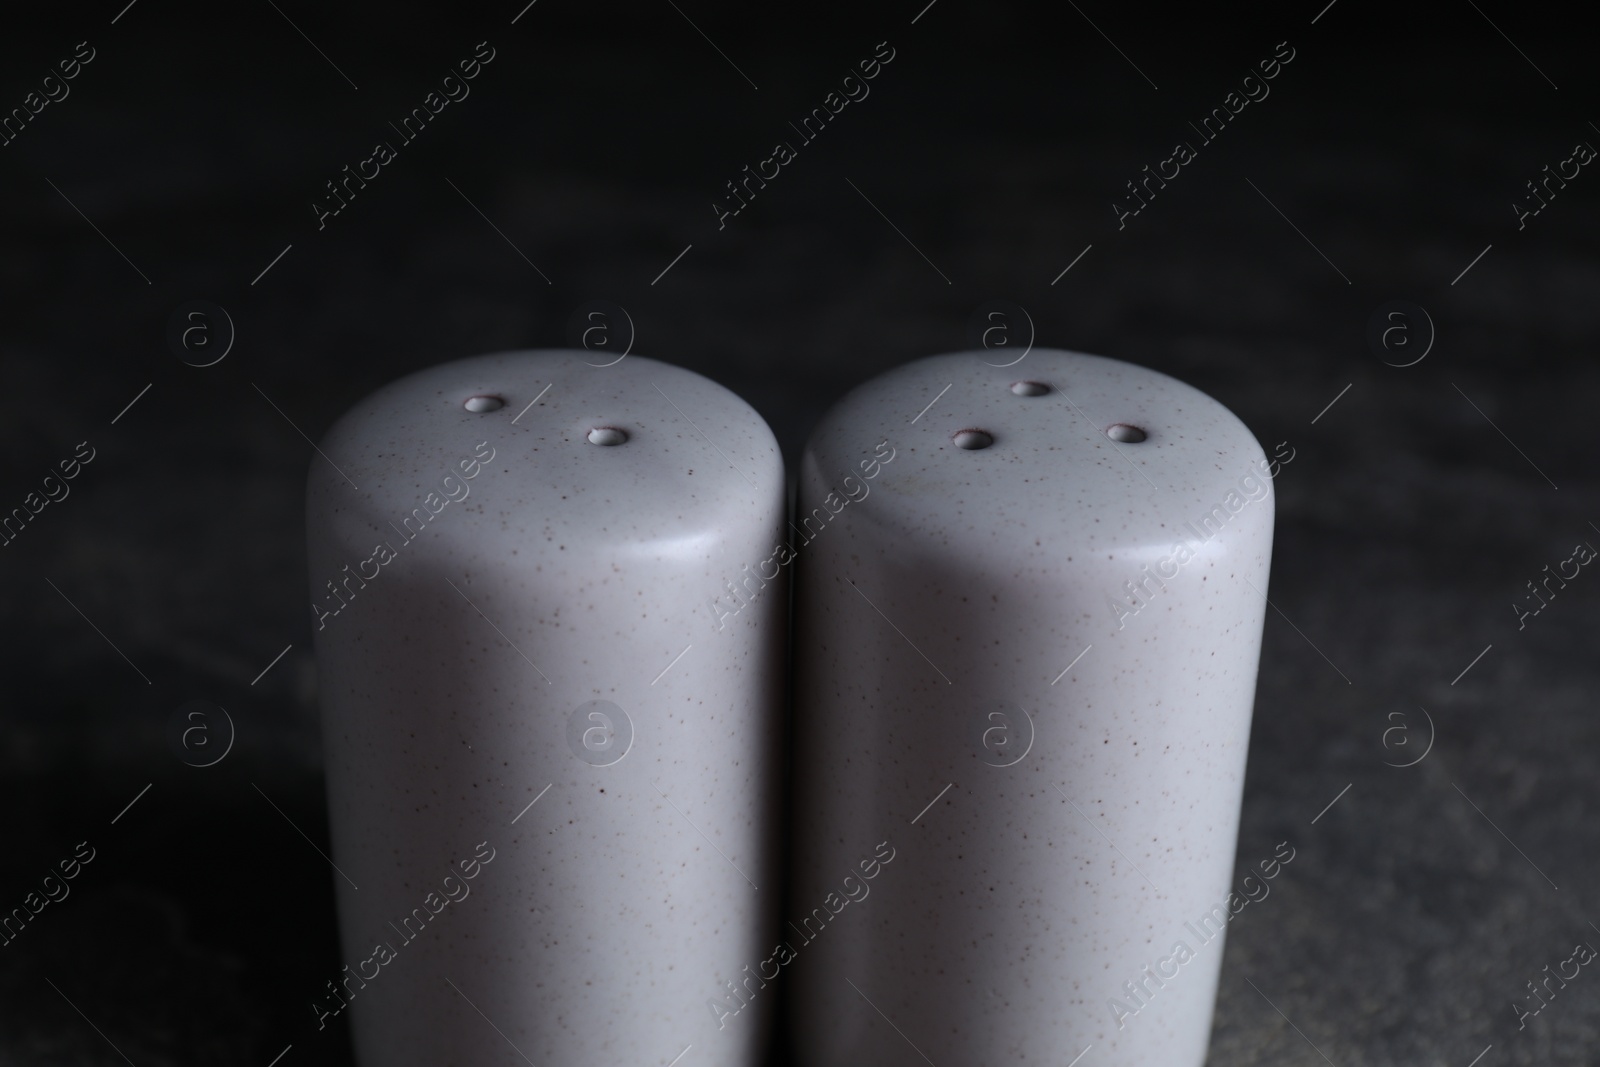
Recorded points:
552,706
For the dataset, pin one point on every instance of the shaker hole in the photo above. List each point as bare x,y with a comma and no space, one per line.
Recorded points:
972,439
607,435
1029,388
1126,434
478,404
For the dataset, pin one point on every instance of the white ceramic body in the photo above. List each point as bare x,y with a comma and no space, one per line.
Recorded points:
956,590
564,572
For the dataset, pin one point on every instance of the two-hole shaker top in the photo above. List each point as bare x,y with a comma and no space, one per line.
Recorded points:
567,458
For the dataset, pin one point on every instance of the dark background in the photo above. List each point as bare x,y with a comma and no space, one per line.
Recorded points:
1417,907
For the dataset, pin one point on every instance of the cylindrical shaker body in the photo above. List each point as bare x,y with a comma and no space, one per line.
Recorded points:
1024,674
553,755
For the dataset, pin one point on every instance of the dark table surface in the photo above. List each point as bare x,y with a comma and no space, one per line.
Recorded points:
1384,165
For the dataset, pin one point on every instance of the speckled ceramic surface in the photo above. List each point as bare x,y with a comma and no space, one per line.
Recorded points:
552,750
1024,672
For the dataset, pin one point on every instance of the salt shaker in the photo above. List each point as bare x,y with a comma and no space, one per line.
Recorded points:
1029,607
